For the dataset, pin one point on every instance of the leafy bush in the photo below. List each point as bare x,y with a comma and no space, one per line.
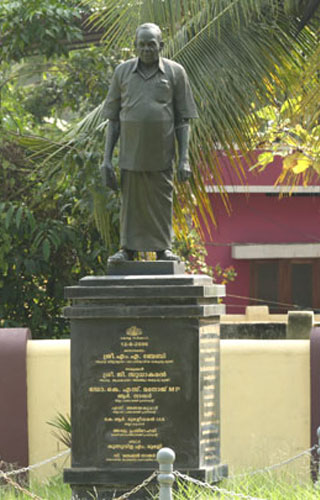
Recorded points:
193,251
38,257
49,204
47,26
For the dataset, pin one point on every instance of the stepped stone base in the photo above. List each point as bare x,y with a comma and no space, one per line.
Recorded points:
146,267
145,366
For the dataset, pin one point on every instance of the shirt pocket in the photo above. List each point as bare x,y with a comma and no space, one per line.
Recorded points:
162,91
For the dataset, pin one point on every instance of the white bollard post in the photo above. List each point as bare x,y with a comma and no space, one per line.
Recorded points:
166,457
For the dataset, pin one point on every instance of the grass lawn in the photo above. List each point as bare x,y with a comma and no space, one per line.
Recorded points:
268,486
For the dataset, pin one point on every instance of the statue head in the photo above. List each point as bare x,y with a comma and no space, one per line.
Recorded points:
148,43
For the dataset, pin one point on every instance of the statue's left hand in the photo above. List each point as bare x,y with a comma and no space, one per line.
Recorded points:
184,171
108,176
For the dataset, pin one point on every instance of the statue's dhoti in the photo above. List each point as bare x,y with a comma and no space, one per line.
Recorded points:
146,210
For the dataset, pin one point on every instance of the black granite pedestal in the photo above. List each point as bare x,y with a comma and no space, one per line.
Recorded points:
144,375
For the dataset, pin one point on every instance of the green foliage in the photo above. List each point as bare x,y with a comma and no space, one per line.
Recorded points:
50,209
52,489
38,257
68,88
38,26
293,138
42,99
52,127
235,53
62,424
271,486
48,238
224,275
86,77
193,251
289,126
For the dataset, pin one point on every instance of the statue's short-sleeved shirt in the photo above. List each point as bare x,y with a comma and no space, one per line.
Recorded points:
149,108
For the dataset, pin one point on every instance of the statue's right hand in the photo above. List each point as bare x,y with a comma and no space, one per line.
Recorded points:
109,176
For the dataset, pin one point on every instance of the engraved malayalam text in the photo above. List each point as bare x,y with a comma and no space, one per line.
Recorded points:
134,377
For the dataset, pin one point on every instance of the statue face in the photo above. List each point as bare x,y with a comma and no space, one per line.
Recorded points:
148,46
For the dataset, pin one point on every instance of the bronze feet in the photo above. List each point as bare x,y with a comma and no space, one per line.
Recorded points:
167,255
122,255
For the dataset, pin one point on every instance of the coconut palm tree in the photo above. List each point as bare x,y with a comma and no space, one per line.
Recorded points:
240,55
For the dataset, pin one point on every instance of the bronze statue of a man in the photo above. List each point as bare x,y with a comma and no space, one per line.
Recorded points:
148,105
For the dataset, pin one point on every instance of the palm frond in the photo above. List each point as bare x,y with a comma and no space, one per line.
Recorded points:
63,425
108,228
236,52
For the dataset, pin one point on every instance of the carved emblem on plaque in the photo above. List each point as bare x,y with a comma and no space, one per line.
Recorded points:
133,331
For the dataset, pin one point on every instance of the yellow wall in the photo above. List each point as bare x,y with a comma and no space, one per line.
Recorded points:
48,382
265,401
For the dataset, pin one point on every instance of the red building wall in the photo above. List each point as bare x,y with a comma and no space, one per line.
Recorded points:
258,218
